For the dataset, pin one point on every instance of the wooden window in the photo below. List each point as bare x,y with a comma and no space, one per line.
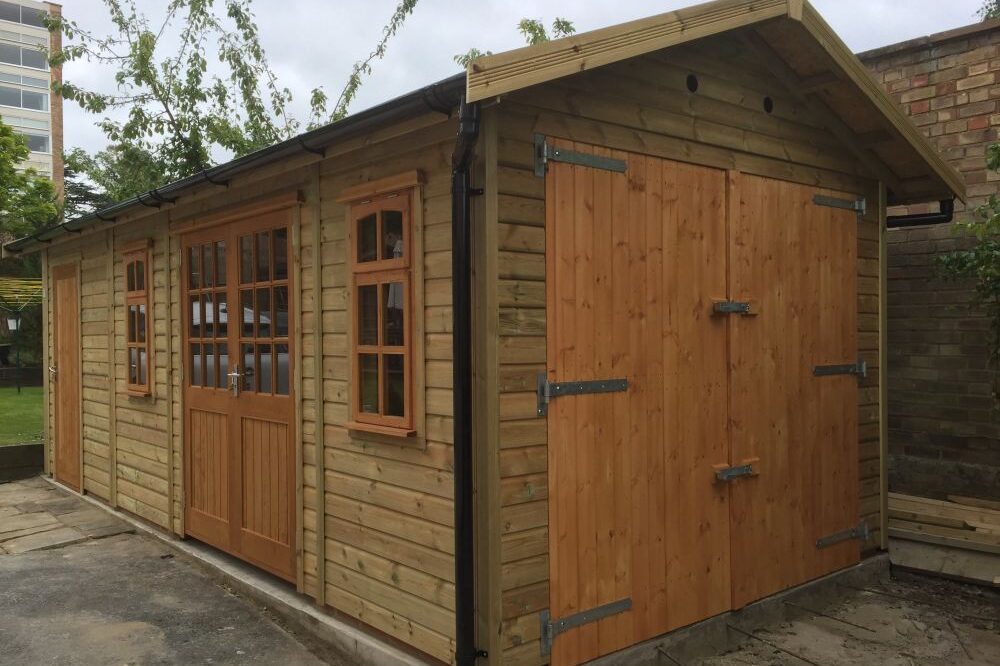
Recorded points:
137,319
382,313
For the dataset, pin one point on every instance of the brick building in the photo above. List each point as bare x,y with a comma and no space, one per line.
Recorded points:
944,423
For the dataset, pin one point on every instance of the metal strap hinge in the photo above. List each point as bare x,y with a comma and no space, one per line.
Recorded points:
552,628
860,369
544,153
862,532
859,205
546,390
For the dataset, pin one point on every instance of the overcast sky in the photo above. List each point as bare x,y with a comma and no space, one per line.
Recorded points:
315,42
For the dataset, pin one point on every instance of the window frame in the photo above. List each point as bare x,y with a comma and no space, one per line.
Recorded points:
131,254
381,272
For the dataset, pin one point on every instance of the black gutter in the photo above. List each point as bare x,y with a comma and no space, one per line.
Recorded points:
946,215
466,652
439,97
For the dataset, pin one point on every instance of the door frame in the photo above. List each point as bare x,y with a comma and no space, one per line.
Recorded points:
237,221
60,272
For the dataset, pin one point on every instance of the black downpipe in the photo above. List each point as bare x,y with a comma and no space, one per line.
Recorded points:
946,215
461,292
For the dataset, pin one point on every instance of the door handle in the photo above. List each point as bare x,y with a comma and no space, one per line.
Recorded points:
234,380
53,371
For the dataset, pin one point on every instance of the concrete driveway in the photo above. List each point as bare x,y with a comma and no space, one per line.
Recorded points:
77,586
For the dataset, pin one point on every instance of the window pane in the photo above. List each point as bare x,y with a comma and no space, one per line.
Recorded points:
143,368
264,368
38,143
10,54
220,263
368,238
10,12
133,365
194,268
246,259
222,315
33,17
34,100
392,297
392,233
368,314
196,317
246,307
249,376
130,276
281,312
368,389
208,323
394,398
32,57
10,96
207,265
263,256
130,317
140,276
264,313
210,376
281,358
140,327
280,237
195,360
223,365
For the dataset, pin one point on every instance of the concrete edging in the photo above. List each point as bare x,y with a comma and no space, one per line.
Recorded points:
352,643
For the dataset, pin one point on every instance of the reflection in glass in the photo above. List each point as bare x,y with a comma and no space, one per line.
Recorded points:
133,365
263,256
130,276
207,270
208,323
392,297
131,323
264,313
368,391
249,375
281,312
140,275
392,234
220,263
141,323
368,314
281,356
223,365
194,268
394,398
264,368
280,237
246,312
246,259
210,369
222,315
195,364
142,366
368,238
196,317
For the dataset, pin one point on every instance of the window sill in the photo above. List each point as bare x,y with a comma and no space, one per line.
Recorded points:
381,429
138,393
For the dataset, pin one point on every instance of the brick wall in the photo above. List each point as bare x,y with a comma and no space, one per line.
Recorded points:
944,424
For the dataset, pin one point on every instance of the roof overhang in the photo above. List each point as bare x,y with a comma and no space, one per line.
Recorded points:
800,47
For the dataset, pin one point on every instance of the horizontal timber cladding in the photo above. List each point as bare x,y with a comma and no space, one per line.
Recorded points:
646,107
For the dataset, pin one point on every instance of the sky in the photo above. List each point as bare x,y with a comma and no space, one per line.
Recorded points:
313,43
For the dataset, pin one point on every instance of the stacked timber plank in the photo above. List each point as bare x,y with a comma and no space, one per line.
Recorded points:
962,530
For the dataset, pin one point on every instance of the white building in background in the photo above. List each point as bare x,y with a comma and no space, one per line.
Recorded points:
26,100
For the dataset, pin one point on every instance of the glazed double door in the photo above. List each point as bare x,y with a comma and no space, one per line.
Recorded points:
239,430
710,460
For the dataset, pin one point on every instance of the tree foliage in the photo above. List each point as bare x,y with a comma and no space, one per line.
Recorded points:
533,31
27,200
990,10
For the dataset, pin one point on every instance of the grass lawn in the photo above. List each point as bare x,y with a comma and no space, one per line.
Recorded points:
20,415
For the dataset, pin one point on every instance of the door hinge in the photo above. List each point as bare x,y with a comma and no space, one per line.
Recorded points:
546,390
862,532
859,205
544,153
552,628
744,308
860,369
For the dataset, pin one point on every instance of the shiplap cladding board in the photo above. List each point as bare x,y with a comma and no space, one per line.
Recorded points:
642,106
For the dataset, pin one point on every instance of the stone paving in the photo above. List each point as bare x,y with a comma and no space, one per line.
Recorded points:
34,515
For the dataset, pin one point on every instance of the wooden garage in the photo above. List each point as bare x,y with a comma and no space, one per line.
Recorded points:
643,390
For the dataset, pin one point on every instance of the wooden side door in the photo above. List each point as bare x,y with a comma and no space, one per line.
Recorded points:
239,408
65,375
637,525
797,262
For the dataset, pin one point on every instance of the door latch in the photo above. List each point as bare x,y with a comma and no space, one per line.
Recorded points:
234,380
745,308
726,474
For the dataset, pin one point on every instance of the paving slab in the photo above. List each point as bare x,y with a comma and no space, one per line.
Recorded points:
14,524
55,538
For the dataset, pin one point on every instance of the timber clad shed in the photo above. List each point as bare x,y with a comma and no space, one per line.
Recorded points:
644,390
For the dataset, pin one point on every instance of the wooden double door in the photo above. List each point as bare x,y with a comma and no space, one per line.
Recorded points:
649,263
239,432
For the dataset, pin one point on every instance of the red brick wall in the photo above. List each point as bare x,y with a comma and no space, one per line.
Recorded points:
944,425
